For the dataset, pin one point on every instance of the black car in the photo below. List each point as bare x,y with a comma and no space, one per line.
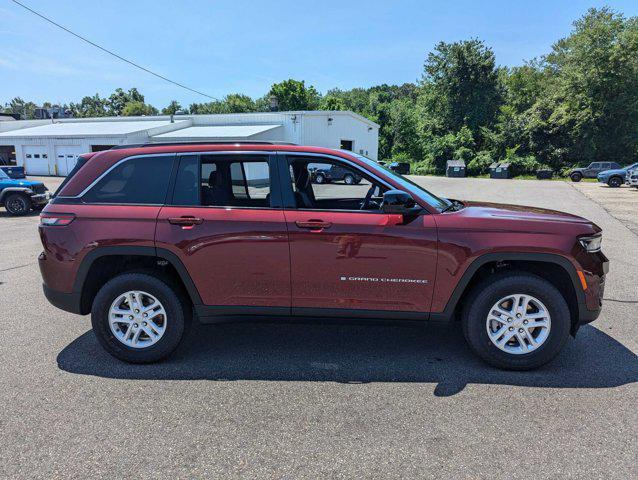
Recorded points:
334,173
592,171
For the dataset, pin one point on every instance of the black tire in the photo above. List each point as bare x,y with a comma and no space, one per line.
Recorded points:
576,177
615,182
320,178
348,179
178,313
487,293
17,204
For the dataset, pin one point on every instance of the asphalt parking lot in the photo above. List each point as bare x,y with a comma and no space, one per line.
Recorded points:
313,400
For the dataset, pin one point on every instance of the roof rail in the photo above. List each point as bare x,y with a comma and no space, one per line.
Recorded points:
169,144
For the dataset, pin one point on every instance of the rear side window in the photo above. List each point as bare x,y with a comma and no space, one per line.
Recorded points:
142,180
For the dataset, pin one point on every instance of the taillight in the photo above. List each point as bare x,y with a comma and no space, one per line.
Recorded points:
56,220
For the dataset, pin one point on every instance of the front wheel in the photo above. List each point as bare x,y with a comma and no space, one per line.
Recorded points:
139,318
516,321
348,179
615,182
17,204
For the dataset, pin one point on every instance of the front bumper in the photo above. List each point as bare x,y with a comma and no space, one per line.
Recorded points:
41,198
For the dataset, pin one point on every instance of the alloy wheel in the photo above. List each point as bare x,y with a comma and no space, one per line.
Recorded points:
518,324
137,319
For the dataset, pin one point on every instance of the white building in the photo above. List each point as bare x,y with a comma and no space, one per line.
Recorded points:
50,147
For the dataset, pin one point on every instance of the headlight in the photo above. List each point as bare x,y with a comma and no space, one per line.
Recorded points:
591,244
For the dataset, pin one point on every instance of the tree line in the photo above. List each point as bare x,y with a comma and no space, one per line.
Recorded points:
577,104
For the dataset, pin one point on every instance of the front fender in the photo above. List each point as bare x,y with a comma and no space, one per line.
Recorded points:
9,190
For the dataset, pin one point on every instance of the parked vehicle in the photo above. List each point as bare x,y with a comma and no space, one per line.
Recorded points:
19,197
402,168
335,173
592,171
615,178
146,238
13,171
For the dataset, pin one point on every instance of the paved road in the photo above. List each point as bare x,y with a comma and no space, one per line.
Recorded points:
302,401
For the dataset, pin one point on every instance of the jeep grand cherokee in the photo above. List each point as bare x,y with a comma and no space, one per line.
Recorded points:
145,238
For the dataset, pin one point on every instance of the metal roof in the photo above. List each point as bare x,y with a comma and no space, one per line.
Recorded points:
216,132
91,129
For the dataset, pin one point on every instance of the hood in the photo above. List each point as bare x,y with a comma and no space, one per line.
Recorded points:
523,214
617,171
10,182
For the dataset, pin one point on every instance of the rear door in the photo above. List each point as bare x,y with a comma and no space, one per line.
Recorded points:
349,257
226,224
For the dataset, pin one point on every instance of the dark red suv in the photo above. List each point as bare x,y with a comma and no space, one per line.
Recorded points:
147,237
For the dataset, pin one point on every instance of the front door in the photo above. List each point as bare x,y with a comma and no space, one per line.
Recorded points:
347,256
229,232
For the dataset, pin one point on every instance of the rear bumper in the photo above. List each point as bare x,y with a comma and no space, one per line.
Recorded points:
69,302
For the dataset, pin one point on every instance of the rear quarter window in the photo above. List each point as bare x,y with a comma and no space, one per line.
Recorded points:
141,180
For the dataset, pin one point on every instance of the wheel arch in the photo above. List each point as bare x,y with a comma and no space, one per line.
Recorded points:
9,190
103,263
557,269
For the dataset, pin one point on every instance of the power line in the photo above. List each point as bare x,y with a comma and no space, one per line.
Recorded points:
112,53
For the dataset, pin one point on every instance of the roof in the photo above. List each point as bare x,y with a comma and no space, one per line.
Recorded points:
90,129
234,132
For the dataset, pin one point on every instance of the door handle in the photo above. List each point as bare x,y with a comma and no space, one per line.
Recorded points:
185,221
313,224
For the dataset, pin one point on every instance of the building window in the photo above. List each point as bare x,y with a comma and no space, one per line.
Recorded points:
346,145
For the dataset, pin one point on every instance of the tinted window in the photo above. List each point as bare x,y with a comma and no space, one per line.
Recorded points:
142,180
186,184
223,181
595,166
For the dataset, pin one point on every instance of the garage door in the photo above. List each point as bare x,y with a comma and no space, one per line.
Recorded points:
65,158
36,160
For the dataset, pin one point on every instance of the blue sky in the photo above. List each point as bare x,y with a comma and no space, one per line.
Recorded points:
223,47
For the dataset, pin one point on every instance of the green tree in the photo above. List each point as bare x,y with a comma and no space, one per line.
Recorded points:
465,88
24,108
596,92
94,106
172,108
331,102
137,109
294,95
118,100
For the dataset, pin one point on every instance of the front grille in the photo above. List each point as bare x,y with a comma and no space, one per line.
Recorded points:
39,189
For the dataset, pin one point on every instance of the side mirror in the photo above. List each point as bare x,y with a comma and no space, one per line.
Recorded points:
397,201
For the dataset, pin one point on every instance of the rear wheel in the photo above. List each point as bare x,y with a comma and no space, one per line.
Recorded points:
349,179
614,182
17,204
320,178
516,321
139,318
576,177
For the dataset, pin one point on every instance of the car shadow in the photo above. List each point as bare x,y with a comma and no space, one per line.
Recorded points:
356,354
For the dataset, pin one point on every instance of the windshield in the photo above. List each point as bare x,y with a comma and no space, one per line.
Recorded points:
419,191
3,175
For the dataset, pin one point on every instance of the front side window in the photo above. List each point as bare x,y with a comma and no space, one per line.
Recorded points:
141,180
333,185
415,189
223,181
